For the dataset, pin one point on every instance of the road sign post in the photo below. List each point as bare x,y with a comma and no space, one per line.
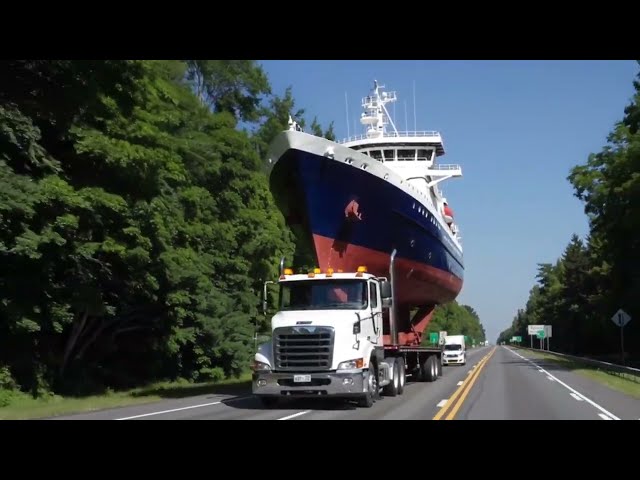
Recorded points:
547,334
621,318
533,330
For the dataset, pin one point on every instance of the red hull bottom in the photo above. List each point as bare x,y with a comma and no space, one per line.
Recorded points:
416,284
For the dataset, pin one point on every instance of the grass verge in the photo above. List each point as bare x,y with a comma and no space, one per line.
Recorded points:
612,380
22,406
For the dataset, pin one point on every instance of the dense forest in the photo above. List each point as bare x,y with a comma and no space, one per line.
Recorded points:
582,290
136,224
456,319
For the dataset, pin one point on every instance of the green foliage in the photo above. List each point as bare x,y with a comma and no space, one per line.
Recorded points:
456,319
594,278
136,223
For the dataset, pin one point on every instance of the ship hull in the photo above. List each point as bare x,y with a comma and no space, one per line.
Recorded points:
350,217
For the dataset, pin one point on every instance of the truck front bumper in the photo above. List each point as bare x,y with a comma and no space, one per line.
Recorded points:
339,384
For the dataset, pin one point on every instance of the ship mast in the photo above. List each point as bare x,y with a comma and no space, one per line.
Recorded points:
376,114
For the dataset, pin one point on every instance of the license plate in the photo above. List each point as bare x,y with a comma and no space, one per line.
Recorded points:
302,378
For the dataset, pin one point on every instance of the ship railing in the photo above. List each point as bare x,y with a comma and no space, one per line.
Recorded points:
410,134
375,101
446,167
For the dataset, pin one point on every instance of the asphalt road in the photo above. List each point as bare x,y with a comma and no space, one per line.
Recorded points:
497,383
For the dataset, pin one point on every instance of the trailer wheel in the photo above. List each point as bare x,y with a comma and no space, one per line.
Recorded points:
430,369
438,363
367,400
391,390
402,376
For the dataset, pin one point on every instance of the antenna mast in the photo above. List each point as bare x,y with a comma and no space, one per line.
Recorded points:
346,104
415,121
376,114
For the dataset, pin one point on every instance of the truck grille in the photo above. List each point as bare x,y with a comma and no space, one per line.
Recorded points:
303,348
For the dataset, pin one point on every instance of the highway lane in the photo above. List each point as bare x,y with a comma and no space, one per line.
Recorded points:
497,383
517,386
621,405
420,400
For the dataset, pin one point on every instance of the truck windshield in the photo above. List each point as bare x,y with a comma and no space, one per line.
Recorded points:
323,295
453,346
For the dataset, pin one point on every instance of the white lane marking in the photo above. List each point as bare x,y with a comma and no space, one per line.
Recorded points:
576,397
294,415
604,417
441,403
460,382
470,372
540,370
588,400
549,378
181,408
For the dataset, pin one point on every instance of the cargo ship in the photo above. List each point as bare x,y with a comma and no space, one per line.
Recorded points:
357,200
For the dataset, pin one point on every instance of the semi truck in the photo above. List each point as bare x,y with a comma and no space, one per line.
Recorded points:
335,335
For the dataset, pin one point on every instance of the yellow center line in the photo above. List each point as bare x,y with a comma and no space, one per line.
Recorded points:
453,397
463,389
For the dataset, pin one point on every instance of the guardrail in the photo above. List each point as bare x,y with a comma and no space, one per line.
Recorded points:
630,373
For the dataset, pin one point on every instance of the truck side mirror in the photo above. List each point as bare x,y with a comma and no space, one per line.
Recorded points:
356,325
264,297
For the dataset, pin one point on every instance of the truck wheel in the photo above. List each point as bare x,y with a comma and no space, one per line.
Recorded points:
402,376
367,400
430,369
438,363
391,390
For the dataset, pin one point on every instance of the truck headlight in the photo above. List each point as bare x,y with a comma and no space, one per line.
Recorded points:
261,367
351,364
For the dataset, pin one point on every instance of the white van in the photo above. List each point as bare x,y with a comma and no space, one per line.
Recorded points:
455,351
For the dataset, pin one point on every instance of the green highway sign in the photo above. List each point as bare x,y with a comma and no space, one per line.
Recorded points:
517,339
433,337
540,334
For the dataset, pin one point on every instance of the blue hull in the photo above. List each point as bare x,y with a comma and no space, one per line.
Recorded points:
314,192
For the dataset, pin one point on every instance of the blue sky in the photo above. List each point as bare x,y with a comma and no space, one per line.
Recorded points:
515,127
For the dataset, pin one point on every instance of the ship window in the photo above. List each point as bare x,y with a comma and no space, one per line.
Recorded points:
376,154
424,155
389,155
406,155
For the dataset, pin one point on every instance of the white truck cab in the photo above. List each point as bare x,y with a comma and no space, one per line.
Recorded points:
326,336
336,334
455,351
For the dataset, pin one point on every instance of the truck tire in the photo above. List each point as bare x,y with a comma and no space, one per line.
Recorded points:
402,377
391,390
430,369
368,398
439,366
